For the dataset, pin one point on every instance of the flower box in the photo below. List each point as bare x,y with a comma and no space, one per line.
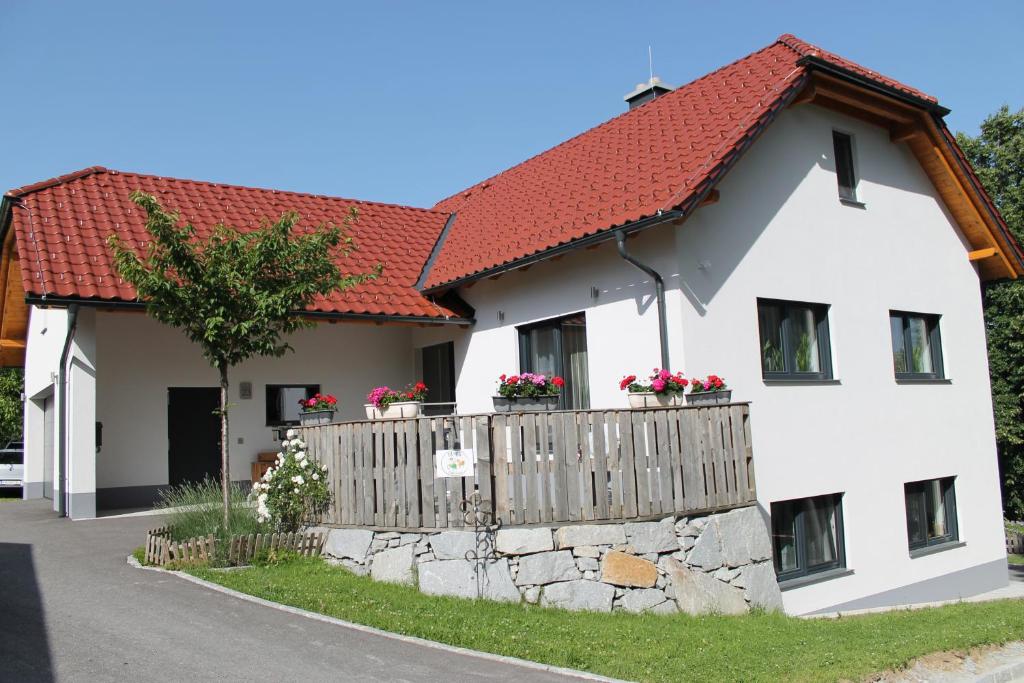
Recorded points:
709,398
649,399
315,418
525,404
394,411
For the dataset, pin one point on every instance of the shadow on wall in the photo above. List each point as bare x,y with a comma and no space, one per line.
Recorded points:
24,645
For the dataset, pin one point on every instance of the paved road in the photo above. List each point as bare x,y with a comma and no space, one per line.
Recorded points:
72,610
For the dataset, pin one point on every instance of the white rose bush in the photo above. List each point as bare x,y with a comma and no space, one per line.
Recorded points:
294,491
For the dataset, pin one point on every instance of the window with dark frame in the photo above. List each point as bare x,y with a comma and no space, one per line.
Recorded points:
559,347
916,345
283,402
438,373
794,340
807,536
931,512
843,146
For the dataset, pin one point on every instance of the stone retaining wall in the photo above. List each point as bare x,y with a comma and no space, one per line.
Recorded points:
719,563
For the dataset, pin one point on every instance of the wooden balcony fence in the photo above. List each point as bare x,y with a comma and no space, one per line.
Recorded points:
539,468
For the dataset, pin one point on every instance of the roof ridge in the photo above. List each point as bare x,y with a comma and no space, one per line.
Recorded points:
76,175
490,179
56,180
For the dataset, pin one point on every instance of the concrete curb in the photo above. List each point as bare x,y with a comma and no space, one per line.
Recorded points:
515,661
1006,674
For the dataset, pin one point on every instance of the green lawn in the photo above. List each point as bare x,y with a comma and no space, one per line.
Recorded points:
759,647
1015,559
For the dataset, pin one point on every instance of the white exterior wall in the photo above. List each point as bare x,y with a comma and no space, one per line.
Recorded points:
46,332
779,231
138,359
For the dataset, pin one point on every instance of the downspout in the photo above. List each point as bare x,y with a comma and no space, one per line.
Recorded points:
62,419
659,290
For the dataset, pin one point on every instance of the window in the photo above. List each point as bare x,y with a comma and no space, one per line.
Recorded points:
916,347
843,146
807,536
931,512
283,402
794,340
559,347
437,368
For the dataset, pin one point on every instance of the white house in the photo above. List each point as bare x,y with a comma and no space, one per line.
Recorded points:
820,238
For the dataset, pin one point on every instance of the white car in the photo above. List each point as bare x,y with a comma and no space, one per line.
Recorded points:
12,465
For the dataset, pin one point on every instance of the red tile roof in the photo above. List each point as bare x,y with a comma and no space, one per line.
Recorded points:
656,157
62,227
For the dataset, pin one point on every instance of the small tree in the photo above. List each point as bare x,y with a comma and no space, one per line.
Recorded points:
235,294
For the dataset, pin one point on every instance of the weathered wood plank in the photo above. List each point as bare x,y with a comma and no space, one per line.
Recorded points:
544,493
692,462
602,507
662,503
425,449
570,462
388,473
586,459
440,487
628,464
532,499
498,426
369,485
613,438
412,481
484,463
722,483
644,457
560,481
515,422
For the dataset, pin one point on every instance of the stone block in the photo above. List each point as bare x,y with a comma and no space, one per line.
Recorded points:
620,569
743,535
652,537
761,588
532,595
667,607
726,574
587,551
642,599
589,534
406,539
453,545
700,593
393,565
388,535
587,564
523,541
707,551
544,568
353,544
459,578
579,596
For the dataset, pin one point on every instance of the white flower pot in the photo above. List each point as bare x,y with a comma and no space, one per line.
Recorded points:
395,411
313,418
649,399
525,404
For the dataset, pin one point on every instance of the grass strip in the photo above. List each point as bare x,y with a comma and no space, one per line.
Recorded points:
756,647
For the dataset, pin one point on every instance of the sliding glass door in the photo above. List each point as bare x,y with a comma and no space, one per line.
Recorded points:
559,347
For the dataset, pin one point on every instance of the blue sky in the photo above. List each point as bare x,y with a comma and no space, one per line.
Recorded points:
410,102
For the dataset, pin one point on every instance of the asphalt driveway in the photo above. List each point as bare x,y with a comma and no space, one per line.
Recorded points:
71,609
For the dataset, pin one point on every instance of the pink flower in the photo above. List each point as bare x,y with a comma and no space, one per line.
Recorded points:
658,385
664,374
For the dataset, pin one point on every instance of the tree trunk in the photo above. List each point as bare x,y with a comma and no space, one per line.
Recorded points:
225,472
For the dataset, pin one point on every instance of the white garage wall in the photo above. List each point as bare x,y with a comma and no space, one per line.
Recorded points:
139,359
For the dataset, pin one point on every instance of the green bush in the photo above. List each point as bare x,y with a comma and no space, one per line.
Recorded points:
195,510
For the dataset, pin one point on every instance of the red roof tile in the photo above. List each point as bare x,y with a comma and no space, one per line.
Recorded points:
656,157
62,227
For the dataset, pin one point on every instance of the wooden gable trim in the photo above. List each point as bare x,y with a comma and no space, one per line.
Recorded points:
13,309
990,248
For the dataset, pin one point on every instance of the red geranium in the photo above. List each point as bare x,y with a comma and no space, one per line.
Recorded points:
558,381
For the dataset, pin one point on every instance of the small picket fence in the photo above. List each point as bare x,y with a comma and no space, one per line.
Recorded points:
161,550
1014,543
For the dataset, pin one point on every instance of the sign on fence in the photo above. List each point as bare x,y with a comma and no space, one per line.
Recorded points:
459,462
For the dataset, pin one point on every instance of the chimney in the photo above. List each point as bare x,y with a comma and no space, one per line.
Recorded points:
645,92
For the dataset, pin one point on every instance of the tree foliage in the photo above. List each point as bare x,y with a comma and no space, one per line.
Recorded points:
236,294
12,383
997,155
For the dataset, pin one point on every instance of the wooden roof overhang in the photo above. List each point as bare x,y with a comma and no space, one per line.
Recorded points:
919,125
13,309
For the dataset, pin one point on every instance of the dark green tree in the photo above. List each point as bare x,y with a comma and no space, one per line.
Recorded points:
236,294
12,383
997,155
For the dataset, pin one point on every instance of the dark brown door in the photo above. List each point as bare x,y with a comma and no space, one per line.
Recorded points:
193,434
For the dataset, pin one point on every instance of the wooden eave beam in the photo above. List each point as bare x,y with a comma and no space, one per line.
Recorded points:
981,254
905,131
711,198
862,99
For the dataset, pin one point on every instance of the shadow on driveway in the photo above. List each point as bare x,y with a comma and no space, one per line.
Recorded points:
24,646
